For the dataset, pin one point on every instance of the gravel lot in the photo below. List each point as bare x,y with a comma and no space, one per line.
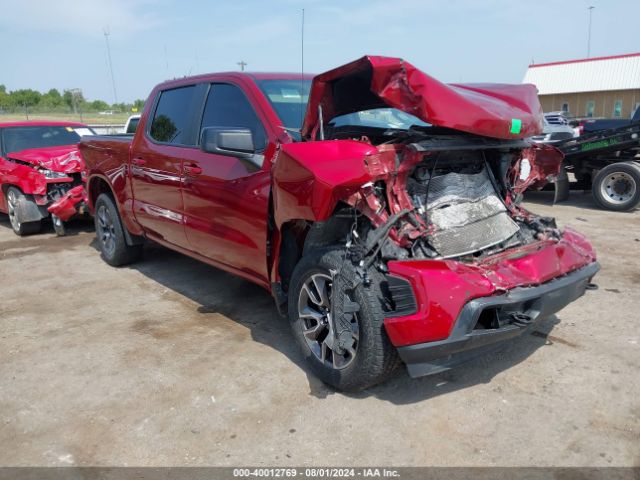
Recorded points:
172,362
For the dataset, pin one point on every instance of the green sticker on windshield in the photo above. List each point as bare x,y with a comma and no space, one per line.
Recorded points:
516,126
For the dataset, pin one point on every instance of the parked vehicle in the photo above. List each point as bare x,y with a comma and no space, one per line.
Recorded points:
557,118
387,225
41,174
590,125
553,133
132,124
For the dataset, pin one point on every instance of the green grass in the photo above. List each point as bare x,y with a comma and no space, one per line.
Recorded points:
90,118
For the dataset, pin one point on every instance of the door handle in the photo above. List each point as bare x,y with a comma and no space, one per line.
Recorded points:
192,169
139,161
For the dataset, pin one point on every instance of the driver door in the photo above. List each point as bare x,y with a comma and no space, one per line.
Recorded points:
226,199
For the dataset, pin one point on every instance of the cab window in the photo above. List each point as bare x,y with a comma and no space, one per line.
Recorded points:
227,106
171,120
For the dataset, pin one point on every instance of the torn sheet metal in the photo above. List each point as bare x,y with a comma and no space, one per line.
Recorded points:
67,205
537,166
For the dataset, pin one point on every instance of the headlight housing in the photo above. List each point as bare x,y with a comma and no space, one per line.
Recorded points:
52,174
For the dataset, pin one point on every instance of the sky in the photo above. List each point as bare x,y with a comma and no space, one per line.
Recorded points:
61,43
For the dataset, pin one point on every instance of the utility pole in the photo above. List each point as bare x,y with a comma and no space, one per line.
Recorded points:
113,79
76,100
242,64
589,35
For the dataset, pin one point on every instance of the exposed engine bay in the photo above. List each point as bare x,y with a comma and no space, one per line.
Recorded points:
461,203
445,197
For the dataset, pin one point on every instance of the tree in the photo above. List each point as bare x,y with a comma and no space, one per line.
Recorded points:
25,97
51,99
99,105
74,99
138,105
5,100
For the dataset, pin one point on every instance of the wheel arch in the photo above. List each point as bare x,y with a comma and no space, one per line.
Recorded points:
297,237
96,186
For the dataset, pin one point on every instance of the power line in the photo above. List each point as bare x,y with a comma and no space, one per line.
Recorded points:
113,79
589,35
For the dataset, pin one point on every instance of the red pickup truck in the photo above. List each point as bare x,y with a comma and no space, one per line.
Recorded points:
379,206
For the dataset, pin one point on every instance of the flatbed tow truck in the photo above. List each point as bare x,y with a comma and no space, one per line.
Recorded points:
607,162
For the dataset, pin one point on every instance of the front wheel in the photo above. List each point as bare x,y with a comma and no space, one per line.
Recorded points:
14,199
617,186
110,232
351,354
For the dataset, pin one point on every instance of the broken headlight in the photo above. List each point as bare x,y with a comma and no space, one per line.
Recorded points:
52,174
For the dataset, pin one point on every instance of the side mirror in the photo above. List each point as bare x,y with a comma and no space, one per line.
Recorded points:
234,142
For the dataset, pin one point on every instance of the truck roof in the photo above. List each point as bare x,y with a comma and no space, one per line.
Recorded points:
40,123
239,75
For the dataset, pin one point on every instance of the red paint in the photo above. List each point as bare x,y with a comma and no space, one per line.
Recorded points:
213,208
41,123
443,287
64,159
544,161
67,205
580,60
481,109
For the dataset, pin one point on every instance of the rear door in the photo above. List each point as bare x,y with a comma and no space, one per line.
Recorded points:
226,199
157,158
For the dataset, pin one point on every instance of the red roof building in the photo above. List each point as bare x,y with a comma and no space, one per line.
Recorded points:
607,87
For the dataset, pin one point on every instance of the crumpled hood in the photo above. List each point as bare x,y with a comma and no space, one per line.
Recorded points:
64,159
494,110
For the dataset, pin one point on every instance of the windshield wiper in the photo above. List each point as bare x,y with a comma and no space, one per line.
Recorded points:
403,133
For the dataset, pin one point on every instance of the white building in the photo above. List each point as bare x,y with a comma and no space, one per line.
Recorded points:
606,87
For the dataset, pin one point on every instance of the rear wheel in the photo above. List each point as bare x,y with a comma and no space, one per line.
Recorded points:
617,186
363,355
110,233
14,198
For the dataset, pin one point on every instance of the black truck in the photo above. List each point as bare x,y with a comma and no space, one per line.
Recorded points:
590,125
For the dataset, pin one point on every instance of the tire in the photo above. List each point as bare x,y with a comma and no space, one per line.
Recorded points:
617,186
110,233
373,358
13,198
58,226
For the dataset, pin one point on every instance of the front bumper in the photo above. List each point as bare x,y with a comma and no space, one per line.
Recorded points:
72,203
515,312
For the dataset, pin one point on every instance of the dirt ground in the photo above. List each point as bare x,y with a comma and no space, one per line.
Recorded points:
172,362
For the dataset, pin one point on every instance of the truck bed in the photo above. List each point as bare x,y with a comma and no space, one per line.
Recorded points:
105,152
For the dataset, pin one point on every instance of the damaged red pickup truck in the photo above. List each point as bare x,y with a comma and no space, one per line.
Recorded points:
378,205
41,174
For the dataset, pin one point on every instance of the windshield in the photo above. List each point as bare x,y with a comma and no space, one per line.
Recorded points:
15,139
289,99
379,118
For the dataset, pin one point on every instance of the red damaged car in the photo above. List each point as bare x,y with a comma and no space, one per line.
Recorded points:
379,206
41,174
